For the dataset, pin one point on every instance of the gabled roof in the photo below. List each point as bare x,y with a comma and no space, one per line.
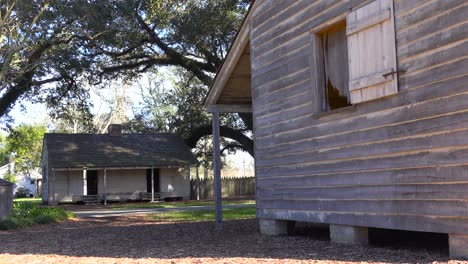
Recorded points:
125,150
5,183
232,81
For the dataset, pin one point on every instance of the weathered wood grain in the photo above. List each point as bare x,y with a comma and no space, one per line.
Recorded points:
431,206
357,150
438,22
295,144
424,223
397,162
395,176
424,157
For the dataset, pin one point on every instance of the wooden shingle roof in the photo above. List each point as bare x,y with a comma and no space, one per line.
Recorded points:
125,150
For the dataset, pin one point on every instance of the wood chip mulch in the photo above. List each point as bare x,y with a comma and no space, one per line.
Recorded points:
135,239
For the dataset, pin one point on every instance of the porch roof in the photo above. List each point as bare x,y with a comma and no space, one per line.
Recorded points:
232,84
124,150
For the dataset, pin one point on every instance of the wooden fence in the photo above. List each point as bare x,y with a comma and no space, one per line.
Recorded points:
231,187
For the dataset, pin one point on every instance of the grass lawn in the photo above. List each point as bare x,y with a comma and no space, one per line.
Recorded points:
29,200
28,211
204,215
175,204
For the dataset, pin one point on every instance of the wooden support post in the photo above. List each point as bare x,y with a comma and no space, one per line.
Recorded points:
152,184
68,182
53,187
105,186
198,185
85,182
217,171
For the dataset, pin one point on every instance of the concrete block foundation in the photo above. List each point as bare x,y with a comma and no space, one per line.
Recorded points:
349,234
273,227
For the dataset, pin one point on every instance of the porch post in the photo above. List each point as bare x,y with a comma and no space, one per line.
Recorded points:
217,171
53,188
85,184
198,185
105,186
152,184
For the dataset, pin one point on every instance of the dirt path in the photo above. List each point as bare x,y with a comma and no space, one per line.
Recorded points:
134,239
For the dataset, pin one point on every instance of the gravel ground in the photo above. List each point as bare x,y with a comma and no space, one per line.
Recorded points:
135,239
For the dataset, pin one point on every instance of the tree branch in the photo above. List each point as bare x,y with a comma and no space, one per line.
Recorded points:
227,132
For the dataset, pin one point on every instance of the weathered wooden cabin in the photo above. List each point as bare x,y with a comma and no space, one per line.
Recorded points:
6,198
360,113
115,167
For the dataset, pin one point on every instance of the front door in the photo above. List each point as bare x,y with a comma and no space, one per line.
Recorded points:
156,180
92,182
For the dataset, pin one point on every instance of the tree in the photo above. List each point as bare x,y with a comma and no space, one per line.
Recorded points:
25,143
40,58
75,42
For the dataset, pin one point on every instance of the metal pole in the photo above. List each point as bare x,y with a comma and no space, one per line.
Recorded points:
217,171
105,186
152,184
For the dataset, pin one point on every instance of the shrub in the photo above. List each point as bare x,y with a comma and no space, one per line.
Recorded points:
26,213
22,192
7,224
44,219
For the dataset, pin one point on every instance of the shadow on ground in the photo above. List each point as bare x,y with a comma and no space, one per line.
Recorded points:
135,237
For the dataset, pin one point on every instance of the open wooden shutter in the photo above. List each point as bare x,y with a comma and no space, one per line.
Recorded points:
371,51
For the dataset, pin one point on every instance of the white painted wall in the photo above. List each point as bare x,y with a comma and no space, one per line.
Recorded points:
122,184
175,182
22,180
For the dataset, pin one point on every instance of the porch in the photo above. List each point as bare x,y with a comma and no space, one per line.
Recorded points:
100,185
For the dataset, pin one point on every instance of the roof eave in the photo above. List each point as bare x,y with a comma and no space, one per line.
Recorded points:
230,62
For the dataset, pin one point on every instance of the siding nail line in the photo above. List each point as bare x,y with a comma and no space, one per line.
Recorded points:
323,174
428,19
403,45
394,139
389,155
392,109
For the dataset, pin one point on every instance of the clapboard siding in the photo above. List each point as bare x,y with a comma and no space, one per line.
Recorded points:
428,223
369,192
414,109
397,162
388,117
421,175
456,207
426,9
357,150
418,128
303,23
438,39
436,23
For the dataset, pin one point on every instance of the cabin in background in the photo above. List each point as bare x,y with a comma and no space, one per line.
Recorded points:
360,112
25,185
115,167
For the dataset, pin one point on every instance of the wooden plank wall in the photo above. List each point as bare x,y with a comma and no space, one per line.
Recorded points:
398,162
6,200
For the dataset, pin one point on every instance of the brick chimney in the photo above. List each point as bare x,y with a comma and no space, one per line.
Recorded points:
114,130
